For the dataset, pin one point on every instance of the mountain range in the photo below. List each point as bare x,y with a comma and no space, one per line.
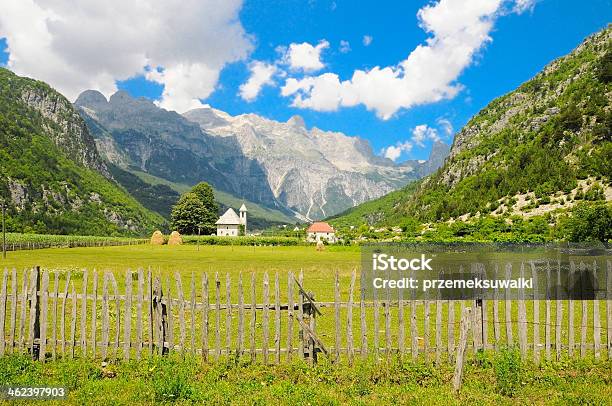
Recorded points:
279,166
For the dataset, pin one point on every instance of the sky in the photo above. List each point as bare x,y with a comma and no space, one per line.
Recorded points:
401,74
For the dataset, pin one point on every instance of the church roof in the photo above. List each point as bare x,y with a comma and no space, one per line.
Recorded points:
243,207
229,218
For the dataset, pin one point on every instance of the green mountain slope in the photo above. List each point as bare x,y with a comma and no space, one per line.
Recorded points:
538,150
524,166
51,174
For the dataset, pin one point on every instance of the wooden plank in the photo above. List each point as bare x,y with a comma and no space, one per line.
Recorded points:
349,320
217,317
3,295
127,329
44,303
460,356
192,328
13,316
547,320
290,316
23,310
158,315
54,317
364,329
139,304
496,325
387,322
240,343
438,331
228,315
596,330
376,305
570,315
413,330
536,318
253,317
585,314
94,317
451,329
117,315
426,326
73,322
302,336
508,310
63,314
149,294
558,315
170,315
84,314
33,303
105,317
266,314
522,317
401,333
609,307
277,315
181,312
337,315
205,307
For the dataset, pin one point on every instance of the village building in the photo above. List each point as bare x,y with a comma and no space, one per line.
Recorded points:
321,231
230,223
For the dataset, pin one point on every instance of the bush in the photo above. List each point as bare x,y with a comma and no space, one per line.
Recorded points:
508,371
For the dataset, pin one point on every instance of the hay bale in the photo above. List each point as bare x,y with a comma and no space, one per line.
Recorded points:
320,246
175,238
157,238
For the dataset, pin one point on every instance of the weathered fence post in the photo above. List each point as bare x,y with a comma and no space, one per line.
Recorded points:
35,314
459,358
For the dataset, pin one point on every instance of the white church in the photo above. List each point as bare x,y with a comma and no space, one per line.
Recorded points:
229,223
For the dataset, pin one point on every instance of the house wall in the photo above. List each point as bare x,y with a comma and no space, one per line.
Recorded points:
314,237
228,231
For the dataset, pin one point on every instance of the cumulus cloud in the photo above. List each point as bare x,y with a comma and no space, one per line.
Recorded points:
182,45
458,30
422,133
445,125
393,152
345,46
367,40
305,56
261,75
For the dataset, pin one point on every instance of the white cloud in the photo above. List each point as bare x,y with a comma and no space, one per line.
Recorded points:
422,133
458,30
305,57
367,40
345,46
524,5
180,44
393,152
261,75
446,126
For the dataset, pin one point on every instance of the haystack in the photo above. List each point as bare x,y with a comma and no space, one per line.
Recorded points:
157,238
320,246
175,238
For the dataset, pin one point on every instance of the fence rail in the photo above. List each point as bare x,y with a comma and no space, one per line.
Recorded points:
52,314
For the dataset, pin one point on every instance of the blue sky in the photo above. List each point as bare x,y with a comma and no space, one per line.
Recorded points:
521,44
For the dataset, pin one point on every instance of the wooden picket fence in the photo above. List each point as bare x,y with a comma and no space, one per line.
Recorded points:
43,314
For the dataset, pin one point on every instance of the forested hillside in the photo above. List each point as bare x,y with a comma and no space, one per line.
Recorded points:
52,177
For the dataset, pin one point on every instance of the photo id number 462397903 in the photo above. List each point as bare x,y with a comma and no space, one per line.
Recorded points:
32,392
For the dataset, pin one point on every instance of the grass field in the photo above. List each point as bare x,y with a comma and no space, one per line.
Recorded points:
490,380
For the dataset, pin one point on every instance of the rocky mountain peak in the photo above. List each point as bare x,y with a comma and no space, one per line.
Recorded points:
91,99
297,121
